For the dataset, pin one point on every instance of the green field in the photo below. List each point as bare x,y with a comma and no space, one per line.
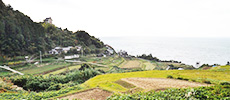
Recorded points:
113,83
148,65
107,81
45,68
221,68
5,73
108,61
63,70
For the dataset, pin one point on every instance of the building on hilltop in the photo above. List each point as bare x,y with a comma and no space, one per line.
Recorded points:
109,50
48,20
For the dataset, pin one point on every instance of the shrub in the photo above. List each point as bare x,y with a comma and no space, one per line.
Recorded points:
55,87
180,78
193,80
185,79
225,83
206,81
169,76
53,82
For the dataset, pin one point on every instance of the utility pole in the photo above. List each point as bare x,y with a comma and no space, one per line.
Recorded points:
40,57
82,52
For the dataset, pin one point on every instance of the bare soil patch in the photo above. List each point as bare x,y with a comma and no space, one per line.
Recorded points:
91,94
161,84
132,64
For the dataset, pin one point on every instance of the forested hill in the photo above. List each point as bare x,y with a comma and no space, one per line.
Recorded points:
19,35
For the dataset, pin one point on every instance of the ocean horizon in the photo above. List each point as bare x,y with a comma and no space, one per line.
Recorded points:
185,49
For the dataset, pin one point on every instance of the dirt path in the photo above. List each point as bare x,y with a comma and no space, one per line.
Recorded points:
132,64
91,94
160,83
12,70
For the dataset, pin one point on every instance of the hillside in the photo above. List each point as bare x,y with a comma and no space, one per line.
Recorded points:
171,84
19,35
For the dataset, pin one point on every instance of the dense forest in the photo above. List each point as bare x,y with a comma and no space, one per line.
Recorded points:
19,35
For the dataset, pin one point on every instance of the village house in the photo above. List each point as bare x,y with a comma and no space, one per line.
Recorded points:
48,20
109,50
66,49
58,50
78,48
71,57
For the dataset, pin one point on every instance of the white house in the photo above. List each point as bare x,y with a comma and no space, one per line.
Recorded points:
53,51
58,50
78,48
71,57
109,50
66,49
48,20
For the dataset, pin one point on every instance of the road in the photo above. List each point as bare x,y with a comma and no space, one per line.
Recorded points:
12,70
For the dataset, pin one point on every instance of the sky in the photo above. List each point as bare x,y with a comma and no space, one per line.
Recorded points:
109,18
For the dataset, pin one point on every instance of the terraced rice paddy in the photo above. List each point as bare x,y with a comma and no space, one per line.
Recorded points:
63,70
160,84
132,64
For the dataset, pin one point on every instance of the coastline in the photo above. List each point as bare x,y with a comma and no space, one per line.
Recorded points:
209,51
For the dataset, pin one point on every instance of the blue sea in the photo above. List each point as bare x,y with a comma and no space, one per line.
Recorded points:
187,50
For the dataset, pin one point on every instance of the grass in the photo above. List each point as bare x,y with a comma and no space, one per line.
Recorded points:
31,69
164,65
221,68
63,70
108,81
132,64
125,84
147,64
109,61
38,70
3,73
102,68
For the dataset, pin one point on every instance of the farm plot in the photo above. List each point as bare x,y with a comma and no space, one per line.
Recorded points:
161,84
46,68
63,70
132,64
91,94
149,66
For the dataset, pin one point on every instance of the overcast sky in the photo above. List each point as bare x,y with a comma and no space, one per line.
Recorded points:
179,18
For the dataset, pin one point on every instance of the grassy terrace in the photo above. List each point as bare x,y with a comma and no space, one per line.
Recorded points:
51,66
108,61
63,70
45,68
5,73
107,81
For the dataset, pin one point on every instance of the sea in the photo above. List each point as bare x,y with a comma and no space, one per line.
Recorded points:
187,50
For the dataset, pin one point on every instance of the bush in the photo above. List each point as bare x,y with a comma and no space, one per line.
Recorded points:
206,81
169,76
55,87
180,78
53,82
225,83
185,79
